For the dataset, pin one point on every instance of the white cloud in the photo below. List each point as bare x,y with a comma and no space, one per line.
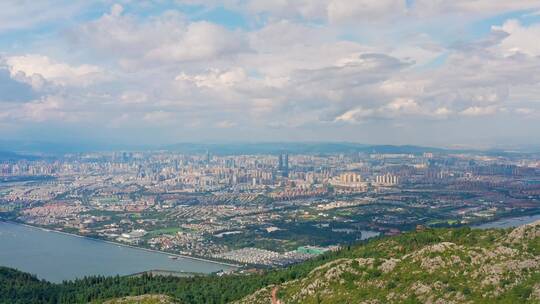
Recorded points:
295,64
37,69
159,117
368,11
403,87
43,110
359,11
116,10
519,39
164,39
479,111
134,97
443,112
215,78
525,111
117,35
309,9
202,40
226,124
399,108
334,11
355,115
17,14
47,109
478,7
403,105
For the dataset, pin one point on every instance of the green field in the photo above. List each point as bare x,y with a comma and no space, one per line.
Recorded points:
168,230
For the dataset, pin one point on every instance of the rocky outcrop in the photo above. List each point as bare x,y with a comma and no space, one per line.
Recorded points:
457,271
525,232
145,299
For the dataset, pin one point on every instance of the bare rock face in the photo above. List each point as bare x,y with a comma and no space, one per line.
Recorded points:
525,232
389,265
144,299
535,294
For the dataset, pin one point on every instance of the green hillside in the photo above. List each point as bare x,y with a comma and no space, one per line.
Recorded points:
144,299
433,266
443,266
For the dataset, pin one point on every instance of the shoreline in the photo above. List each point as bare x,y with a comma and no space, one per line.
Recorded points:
503,220
125,245
207,260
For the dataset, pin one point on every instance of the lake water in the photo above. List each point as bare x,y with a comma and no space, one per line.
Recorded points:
366,234
510,222
56,257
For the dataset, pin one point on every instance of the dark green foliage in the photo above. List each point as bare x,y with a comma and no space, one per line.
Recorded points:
19,287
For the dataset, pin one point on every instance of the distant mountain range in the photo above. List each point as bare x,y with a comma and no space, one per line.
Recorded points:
297,148
11,156
51,148
216,148
14,149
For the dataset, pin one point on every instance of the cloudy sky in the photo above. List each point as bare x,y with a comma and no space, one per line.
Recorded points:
429,72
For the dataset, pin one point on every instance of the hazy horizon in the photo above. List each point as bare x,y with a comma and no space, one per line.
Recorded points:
23,149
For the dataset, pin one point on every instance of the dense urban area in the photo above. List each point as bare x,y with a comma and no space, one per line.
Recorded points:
264,209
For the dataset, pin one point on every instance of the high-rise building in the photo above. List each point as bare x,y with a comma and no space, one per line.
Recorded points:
285,170
283,164
350,178
387,179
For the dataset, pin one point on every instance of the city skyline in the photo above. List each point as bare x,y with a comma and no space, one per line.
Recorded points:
430,73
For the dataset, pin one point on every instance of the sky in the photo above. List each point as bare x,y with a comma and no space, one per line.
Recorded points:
449,73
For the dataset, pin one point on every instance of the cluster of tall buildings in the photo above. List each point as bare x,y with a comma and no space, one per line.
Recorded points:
387,179
350,178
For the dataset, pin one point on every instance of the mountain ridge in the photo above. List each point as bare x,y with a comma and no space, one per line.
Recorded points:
507,271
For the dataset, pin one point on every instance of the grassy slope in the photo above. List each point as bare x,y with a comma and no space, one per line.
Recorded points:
436,266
